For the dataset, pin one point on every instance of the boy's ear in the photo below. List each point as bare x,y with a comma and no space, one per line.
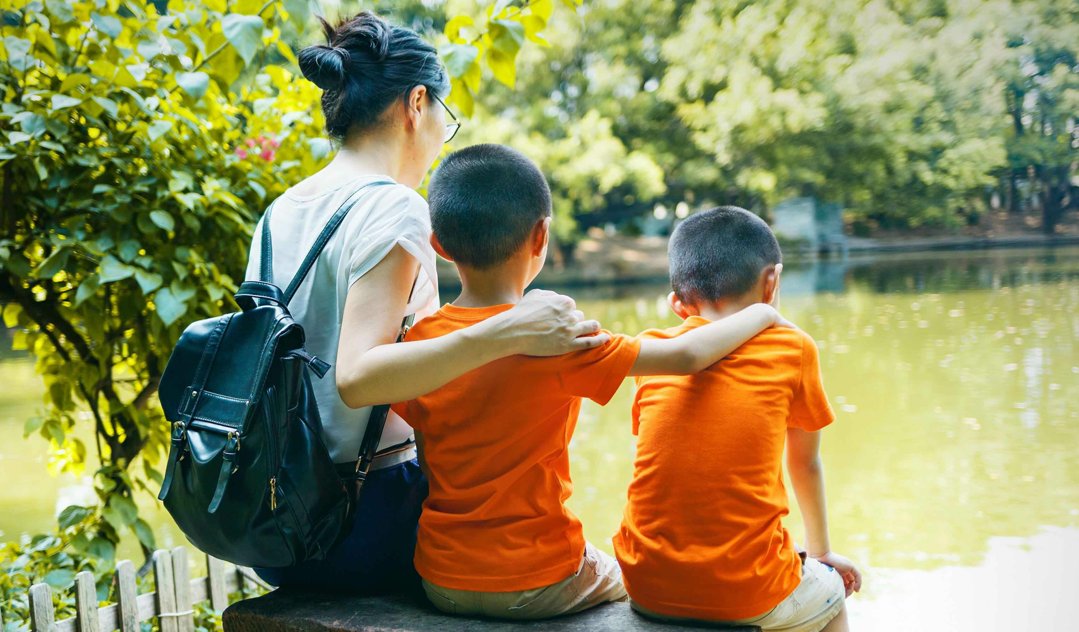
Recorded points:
678,307
439,249
771,283
541,235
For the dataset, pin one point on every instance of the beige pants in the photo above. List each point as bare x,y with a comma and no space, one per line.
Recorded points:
597,580
816,601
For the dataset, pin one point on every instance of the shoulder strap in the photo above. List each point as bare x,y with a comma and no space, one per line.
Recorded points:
323,238
266,258
372,435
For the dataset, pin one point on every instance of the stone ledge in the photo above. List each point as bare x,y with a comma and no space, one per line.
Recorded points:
294,611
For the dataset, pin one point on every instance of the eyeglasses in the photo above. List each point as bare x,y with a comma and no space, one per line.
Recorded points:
451,128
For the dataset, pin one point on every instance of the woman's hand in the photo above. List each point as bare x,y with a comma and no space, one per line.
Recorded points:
546,323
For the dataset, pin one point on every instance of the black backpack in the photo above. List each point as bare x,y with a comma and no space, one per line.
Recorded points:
249,479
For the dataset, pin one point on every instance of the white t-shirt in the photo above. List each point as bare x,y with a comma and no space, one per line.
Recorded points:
386,214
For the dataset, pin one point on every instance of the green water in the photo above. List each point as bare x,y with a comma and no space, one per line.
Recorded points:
955,378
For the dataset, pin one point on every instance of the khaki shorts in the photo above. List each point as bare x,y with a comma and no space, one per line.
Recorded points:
598,580
816,601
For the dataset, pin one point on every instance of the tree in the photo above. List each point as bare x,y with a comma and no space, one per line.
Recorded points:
887,110
1042,97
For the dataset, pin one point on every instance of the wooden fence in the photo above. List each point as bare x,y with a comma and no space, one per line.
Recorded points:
172,603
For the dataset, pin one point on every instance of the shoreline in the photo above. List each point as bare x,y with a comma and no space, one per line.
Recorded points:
618,260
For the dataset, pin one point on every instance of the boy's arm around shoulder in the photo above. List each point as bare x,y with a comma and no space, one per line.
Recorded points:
702,347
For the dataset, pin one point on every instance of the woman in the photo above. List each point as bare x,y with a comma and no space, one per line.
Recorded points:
383,103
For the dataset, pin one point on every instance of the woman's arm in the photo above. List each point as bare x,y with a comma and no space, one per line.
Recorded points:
371,370
702,347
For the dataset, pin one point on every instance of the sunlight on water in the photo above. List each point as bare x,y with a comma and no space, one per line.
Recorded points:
952,469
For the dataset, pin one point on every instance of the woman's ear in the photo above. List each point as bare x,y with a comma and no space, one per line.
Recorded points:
416,105
439,249
681,309
541,236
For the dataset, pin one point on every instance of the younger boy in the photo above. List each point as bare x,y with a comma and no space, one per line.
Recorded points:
702,537
495,537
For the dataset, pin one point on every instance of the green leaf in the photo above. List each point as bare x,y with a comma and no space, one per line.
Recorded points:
113,270
507,36
61,101
51,427
145,534
32,425
18,52
169,306
502,66
163,220
87,289
459,57
18,137
60,579
73,515
148,281
120,511
244,33
107,24
31,123
128,249
102,548
108,105
157,129
194,83
49,267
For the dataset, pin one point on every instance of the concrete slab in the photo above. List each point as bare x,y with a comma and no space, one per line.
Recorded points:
294,611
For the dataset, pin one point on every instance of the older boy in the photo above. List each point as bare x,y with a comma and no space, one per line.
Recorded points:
495,537
702,537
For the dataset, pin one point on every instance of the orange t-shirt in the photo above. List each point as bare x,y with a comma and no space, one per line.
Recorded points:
702,535
495,444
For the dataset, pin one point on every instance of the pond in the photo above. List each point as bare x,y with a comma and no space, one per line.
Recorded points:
953,467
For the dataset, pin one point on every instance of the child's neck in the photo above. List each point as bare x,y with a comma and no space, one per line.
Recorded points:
722,309
490,286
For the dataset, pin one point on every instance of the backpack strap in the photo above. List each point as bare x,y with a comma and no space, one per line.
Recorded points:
266,258
323,238
179,428
372,435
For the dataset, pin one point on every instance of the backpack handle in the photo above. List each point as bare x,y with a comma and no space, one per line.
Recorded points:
266,263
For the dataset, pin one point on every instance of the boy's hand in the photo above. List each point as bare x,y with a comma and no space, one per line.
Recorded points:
852,577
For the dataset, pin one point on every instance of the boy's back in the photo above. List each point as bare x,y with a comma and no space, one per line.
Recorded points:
495,445
702,535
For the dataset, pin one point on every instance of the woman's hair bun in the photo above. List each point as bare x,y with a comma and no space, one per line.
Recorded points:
325,66
365,65
370,32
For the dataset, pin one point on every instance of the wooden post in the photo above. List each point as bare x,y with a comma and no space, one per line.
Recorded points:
86,603
180,577
41,613
215,574
166,592
127,597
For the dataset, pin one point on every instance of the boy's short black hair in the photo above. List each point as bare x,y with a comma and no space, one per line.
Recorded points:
485,200
720,253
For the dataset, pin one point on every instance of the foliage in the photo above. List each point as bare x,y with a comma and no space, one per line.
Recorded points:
139,148
895,109
1042,98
